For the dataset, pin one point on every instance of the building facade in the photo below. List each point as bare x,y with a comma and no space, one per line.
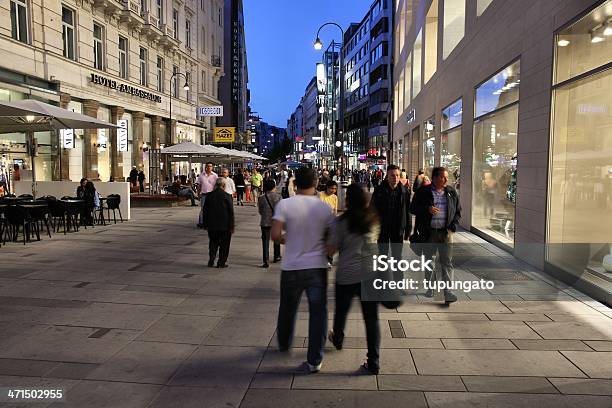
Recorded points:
114,61
513,98
367,60
233,86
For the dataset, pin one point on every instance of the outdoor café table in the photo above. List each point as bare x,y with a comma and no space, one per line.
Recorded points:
36,211
73,210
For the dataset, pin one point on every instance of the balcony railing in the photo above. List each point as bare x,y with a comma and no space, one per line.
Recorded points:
215,60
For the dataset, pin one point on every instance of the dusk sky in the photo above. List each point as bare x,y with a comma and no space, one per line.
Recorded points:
281,58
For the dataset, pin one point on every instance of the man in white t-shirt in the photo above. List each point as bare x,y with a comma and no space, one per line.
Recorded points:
305,221
230,187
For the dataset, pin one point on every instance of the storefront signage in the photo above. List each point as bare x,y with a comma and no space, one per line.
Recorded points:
411,116
210,111
123,88
224,134
102,140
236,61
122,135
67,138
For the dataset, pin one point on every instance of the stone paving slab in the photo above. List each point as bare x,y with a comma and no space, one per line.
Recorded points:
551,345
420,383
494,363
595,365
471,329
191,397
332,399
500,400
582,386
528,385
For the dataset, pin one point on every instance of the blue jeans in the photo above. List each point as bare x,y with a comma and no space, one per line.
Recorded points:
293,283
202,201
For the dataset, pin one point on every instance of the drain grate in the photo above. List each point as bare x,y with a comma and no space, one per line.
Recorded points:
397,330
99,333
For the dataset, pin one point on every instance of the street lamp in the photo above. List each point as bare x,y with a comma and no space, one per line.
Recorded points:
185,87
318,45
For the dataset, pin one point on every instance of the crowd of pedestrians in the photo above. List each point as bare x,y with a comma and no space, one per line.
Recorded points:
299,210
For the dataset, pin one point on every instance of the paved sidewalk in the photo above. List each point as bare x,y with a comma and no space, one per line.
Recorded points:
128,315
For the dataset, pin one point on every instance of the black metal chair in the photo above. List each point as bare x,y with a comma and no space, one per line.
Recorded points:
112,203
17,217
25,197
4,226
57,214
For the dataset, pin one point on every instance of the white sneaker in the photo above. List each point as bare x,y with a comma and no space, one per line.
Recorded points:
314,368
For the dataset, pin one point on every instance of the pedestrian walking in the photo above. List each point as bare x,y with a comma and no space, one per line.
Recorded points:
133,177
256,182
240,186
206,184
291,190
418,180
329,196
141,180
391,201
438,211
266,206
352,235
230,187
305,221
219,221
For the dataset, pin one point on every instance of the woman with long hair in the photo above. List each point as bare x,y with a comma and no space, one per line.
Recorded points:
354,232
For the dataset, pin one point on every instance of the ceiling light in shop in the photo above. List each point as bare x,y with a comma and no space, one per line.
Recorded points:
563,43
597,35
608,30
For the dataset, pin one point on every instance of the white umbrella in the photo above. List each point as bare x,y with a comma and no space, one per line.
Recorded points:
34,116
190,148
31,116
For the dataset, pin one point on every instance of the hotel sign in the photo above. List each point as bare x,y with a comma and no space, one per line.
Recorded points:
124,88
67,138
122,135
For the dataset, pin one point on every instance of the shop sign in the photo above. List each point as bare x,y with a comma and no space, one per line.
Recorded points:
102,140
124,88
411,116
224,134
210,111
67,138
122,135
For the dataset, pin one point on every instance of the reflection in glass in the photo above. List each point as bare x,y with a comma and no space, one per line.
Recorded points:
416,64
580,179
451,115
584,45
450,155
495,173
498,91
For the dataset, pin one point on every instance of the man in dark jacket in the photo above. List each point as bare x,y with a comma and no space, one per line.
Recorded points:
219,220
438,211
391,200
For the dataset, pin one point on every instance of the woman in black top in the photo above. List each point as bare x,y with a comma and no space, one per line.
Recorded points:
87,192
240,185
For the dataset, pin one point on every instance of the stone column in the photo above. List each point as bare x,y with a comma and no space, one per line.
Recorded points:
90,151
116,156
158,130
138,139
171,135
64,154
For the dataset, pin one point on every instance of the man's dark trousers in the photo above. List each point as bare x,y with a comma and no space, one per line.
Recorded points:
293,283
440,241
219,240
265,242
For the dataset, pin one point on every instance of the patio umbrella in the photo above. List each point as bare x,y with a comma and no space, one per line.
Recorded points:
191,149
32,116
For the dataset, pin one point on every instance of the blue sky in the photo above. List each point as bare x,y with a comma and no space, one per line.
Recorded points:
279,37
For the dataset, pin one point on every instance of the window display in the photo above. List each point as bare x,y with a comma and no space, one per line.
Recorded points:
450,142
494,176
579,237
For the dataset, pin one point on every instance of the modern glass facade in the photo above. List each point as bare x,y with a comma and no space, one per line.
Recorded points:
579,230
